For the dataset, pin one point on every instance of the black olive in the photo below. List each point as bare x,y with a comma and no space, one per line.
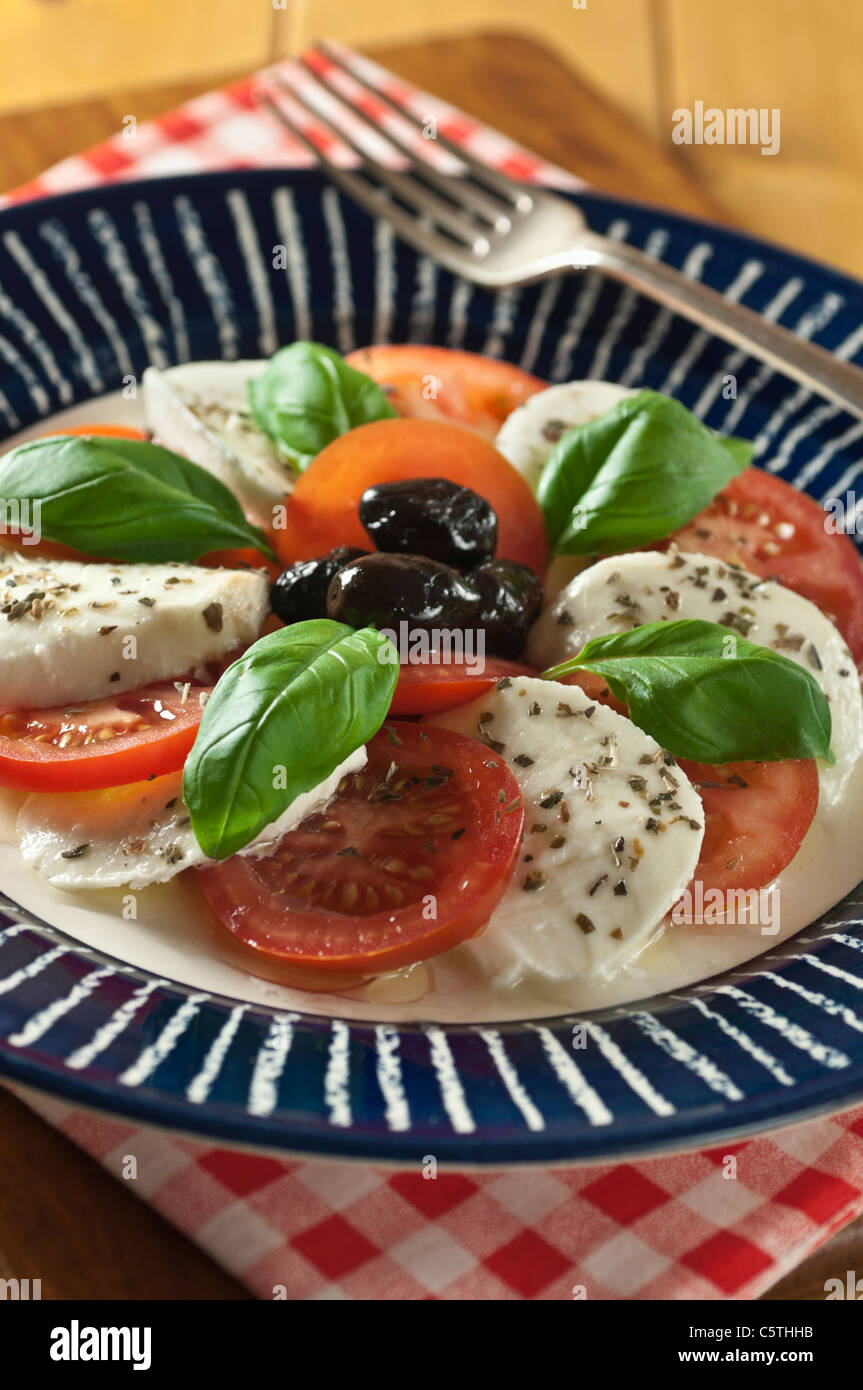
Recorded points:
432,517
510,600
383,590
301,590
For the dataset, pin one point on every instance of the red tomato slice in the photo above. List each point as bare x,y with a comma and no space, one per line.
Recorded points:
774,530
321,512
99,743
425,689
752,831
409,859
435,383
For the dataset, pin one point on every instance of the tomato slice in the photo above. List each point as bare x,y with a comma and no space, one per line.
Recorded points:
427,688
100,743
322,510
409,859
755,817
436,383
774,530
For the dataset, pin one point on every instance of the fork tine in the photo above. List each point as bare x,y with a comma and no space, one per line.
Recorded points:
355,187
422,199
515,194
457,190
376,201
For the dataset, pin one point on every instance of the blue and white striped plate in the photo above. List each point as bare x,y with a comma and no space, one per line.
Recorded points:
96,285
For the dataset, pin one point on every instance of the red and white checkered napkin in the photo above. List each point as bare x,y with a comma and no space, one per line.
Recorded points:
669,1228
226,129
683,1227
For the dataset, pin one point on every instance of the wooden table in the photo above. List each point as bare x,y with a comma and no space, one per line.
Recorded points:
62,1218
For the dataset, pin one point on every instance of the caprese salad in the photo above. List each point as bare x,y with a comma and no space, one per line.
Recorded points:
408,653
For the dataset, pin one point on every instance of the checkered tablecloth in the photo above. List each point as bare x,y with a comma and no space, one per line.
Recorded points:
721,1224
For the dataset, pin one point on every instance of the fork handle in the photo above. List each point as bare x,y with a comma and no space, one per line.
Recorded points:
814,367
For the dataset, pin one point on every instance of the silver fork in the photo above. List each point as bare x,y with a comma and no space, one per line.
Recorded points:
487,228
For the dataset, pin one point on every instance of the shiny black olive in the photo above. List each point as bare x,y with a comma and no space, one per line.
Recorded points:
300,591
510,600
432,517
383,590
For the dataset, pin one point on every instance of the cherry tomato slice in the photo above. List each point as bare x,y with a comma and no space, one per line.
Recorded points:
436,383
322,510
774,530
427,688
409,859
100,743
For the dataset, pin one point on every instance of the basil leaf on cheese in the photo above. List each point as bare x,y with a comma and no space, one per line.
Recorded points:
125,499
278,723
308,395
633,475
707,694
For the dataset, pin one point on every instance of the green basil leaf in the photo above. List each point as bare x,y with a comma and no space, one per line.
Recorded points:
126,499
633,475
741,450
706,694
307,396
279,721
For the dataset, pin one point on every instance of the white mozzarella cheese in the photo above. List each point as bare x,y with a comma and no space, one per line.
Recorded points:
75,631
529,434
137,835
201,410
624,591
613,829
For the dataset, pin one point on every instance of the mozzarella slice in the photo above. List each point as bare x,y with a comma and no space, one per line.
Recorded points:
75,631
201,410
529,434
613,830
624,591
137,835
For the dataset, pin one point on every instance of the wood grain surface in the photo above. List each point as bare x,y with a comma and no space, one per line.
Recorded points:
62,1218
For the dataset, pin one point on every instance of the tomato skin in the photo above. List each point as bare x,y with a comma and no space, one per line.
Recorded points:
108,431
322,510
469,389
133,756
315,904
430,688
774,530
